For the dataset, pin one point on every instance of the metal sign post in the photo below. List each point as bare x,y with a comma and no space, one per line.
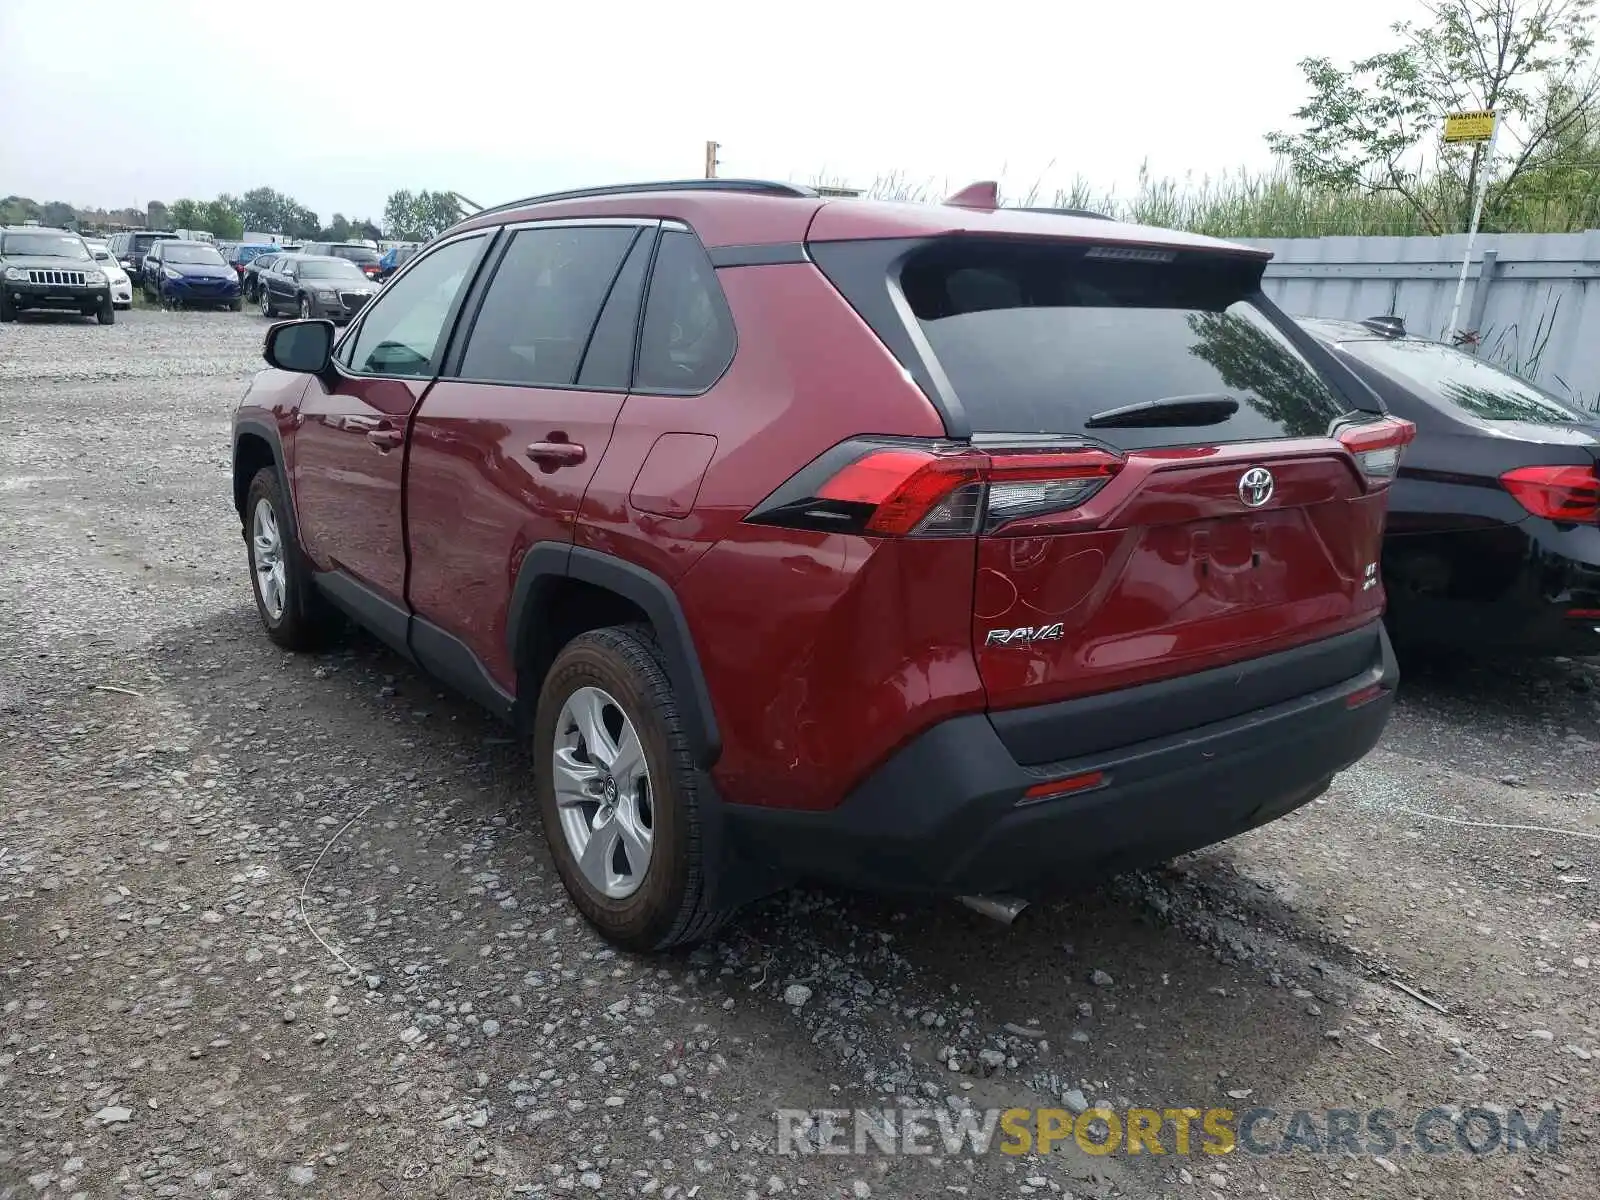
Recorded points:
1471,127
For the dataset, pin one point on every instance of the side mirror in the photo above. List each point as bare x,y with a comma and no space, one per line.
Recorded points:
303,346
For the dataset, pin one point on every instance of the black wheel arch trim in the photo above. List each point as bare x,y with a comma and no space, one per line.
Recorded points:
546,563
266,429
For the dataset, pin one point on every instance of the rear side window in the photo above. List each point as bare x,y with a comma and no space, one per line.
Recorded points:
687,340
541,307
1039,340
356,254
1452,379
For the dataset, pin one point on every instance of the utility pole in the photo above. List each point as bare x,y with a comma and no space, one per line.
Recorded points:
711,159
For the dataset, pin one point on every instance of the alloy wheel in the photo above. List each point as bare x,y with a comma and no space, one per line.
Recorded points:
267,555
602,791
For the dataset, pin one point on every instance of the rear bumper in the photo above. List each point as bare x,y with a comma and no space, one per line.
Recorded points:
1528,589
943,815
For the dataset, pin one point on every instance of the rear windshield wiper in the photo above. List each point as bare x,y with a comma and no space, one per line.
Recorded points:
1208,408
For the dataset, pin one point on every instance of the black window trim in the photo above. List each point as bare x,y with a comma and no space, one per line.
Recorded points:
489,236
468,319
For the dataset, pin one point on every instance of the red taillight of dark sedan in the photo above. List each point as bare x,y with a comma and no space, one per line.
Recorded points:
1557,493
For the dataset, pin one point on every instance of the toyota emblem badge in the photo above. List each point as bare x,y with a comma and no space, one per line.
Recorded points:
1255,486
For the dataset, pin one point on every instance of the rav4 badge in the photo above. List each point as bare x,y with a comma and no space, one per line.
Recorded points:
1025,635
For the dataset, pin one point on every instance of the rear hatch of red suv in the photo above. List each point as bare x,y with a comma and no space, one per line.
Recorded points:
1163,476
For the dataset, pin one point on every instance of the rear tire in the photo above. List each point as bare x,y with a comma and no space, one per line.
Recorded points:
292,611
667,906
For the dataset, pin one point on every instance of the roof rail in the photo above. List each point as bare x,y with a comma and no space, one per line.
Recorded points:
764,187
1390,326
1071,212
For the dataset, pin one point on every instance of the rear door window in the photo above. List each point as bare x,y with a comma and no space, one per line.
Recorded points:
1452,379
540,309
1038,340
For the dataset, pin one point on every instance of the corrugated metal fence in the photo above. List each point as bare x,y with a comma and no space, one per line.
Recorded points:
1534,299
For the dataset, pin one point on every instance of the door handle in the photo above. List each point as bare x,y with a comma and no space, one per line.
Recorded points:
385,439
556,454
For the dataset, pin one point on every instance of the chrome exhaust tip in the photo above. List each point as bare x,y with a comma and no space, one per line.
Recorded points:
1005,909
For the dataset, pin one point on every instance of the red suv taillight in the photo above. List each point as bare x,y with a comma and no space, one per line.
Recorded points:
911,491
1559,493
1377,446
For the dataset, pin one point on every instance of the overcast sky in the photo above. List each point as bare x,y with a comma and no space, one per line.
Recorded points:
117,104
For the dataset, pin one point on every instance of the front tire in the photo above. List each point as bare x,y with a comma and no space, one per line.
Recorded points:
236,305
305,308
7,313
618,793
291,609
267,310
107,314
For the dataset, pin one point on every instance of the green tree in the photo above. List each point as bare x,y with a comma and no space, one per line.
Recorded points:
59,214
419,216
221,217
156,216
1373,125
338,230
185,214
14,210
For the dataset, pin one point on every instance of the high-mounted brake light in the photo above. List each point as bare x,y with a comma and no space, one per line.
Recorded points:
912,491
1376,447
1558,493
1130,254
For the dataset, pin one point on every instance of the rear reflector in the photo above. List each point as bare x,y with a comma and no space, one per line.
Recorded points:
937,491
1558,493
1365,695
1063,787
1583,614
1376,447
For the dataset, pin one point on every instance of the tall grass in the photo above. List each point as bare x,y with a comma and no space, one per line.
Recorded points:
1273,203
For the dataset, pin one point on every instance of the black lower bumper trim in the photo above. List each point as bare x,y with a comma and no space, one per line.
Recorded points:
943,815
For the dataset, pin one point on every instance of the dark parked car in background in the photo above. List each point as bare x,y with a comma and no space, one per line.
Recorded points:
51,269
252,270
364,257
179,274
1493,542
313,285
239,255
394,258
130,247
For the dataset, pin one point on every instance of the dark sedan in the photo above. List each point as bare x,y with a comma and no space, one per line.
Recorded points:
1493,541
313,285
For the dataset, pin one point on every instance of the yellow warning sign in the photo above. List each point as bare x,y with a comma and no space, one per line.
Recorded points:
1469,126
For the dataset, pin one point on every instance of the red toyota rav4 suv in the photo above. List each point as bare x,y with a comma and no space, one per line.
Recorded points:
944,549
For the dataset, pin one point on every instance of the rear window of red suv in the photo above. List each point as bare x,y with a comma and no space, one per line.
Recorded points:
1038,340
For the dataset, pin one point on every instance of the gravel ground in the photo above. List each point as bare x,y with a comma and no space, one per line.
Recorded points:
183,804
